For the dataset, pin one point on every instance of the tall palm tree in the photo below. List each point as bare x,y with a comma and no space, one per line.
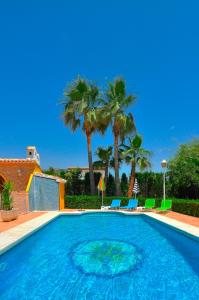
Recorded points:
117,101
81,108
136,156
104,155
120,160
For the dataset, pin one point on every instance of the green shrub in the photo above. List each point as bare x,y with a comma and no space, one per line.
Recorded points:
184,206
184,171
90,202
187,208
94,202
6,196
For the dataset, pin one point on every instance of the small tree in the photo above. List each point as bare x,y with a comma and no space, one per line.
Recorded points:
184,171
150,184
55,172
50,171
74,182
136,156
6,196
104,155
110,189
97,176
124,184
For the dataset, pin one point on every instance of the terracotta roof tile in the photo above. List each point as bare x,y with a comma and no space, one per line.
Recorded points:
18,160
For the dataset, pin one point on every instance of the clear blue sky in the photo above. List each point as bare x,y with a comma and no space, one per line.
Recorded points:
44,44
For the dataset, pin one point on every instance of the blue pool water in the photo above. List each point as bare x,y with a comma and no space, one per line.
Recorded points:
102,256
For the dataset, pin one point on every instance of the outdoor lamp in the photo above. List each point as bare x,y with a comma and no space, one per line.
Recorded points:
164,163
164,166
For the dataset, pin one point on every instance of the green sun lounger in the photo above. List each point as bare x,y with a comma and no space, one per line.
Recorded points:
165,205
149,203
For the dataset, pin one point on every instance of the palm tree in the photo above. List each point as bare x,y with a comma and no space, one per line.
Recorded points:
104,155
120,160
82,99
136,156
117,101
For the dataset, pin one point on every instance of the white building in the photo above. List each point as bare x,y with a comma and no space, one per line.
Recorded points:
85,170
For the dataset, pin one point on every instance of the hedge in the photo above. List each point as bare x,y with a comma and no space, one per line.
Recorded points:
94,202
90,202
184,206
187,208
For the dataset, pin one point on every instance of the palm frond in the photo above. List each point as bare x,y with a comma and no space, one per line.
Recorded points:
136,141
133,153
98,164
129,100
120,87
144,163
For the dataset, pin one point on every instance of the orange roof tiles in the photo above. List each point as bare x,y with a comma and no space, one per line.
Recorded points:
17,160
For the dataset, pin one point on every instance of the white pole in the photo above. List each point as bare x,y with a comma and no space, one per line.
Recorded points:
164,166
164,188
102,199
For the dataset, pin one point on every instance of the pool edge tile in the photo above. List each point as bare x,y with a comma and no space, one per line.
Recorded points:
13,236
183,227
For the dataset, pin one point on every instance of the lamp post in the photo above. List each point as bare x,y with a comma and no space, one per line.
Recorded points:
164,166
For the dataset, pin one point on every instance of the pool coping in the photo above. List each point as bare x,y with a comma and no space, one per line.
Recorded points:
13,236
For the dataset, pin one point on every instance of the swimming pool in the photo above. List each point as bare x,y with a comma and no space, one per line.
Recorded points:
102,256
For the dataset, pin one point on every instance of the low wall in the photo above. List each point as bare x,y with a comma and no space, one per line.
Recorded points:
20,201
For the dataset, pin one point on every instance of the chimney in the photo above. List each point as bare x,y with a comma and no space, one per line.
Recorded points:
31,153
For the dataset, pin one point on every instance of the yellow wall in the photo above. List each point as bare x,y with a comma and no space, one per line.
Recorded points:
61,195
36,170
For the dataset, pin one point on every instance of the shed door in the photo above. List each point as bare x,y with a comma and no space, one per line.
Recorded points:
43,194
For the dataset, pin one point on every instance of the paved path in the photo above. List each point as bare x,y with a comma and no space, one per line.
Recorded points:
21,219
12,236
183,218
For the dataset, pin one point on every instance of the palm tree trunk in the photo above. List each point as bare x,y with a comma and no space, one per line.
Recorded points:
106,177
90,162
131,182
116,158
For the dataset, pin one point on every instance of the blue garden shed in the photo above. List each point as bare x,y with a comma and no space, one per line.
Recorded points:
46,193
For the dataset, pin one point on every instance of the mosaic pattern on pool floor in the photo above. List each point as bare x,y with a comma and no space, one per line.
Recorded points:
105,257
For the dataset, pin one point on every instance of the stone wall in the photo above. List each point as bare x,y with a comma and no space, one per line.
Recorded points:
20,201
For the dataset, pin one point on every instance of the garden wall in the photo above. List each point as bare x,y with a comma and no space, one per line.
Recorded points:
20,201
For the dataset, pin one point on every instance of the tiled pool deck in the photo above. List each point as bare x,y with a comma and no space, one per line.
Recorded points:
21,219
12,236
183,218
